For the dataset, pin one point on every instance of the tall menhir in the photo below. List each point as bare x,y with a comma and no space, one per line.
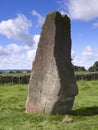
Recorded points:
52,85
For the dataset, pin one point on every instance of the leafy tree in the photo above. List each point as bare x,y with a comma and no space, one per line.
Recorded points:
94,67
79,68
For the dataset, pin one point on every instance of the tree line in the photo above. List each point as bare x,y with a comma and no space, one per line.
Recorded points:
93,68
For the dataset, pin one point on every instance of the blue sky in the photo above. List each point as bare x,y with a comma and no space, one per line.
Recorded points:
20,28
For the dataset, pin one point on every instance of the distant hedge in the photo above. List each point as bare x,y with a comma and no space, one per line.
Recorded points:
90,76
25,79
14,79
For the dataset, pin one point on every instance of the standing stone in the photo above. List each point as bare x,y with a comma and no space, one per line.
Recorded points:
52,85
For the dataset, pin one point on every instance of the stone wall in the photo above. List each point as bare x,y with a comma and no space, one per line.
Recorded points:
25,79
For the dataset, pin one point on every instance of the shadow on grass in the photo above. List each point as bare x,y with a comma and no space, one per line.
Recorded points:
89,111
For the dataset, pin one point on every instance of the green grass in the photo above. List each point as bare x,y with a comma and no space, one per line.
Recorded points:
13,116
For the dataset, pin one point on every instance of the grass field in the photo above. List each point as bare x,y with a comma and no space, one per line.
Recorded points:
13,116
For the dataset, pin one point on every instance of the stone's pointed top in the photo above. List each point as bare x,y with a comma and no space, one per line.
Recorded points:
54,13
53,16
65,15
57,19
57,14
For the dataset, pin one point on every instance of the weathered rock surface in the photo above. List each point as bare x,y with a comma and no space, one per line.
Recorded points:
52,86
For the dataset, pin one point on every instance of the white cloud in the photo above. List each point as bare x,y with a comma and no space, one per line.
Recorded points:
87,52
31,53
95,24
21,57
40,18
3,51
13,56
81,9
86,58
13,48
36,40
73,54
17,29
